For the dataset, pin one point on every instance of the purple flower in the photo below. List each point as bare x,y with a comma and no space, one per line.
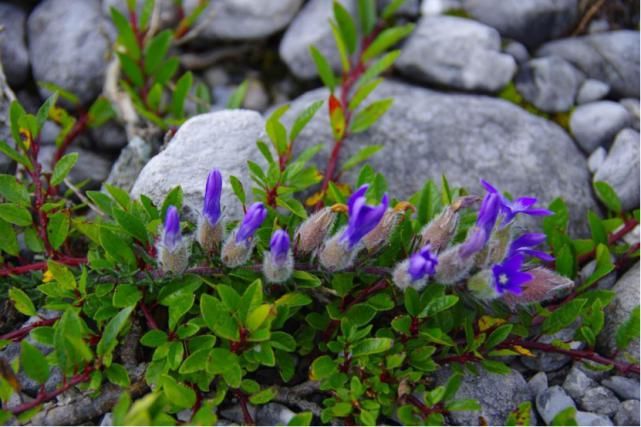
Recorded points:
253,219
213,190
279,247
171,231
363,218
508,275
525,244
423,263
488,212
521,205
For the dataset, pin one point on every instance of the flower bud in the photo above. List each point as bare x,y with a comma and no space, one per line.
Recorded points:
336,254
210,227
279,262
209,236
481,287
363,218
440,231
416,270
173,255
545,285
452,267
380,235
239,245
312,231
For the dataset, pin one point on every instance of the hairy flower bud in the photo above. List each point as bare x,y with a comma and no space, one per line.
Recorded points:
210,228
173,255
239,245
312,231
545,285
452,267
363,218
440,231
208,236
379,236
415,270
336,254
279,263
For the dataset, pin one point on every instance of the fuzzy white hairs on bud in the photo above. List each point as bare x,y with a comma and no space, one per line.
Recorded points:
209,237
275,272
233,253
313,230
481,286
402,278
173,261
335,255
452,268
379,236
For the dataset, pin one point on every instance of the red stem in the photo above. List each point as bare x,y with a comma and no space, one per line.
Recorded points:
41,265
45,397
628,226
79,127
242,398
151,323
19,334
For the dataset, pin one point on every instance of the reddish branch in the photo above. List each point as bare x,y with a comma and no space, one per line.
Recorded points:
425,410
79,127
151,322
19,334
45,397
622,367
628,226
41,265
242,399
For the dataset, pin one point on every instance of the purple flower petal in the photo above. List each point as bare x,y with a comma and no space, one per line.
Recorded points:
171,231
253,219
422,264
279,246
363,218
525,243
508,275
213,191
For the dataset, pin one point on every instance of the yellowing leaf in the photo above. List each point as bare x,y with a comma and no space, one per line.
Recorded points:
488,322
523,351
47,276
314,198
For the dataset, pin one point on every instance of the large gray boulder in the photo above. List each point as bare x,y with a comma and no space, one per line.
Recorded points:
243,19
311,27
166,9
466,137
618,312
68,46
550,83
610,57
497,394
620,168
6,97
456,53
529,21
13,44
225,140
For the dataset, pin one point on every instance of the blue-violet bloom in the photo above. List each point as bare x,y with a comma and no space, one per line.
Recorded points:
525,244
253,219
511,208
213,191
422,264
171,236
508,275
279,247
363,218
479,236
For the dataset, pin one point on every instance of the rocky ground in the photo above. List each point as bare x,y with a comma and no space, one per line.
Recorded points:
455,113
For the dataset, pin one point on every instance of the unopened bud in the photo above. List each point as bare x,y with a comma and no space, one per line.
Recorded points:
403,279
545,285
279,262
452,267
312,231
209,236
336,254
379,236
440,231
173,255
497,247
235,253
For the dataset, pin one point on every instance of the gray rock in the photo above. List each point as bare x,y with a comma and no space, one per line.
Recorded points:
90,165
68,47
632,105
167,12
618,312
577,383
256,97
625,388
589,419
592,90
127,167
621,168
465,137
311,27
596,159
595,374
600,400
552,361
225,140
538,383
273,414
111,136
439,7
518,51
6,98
551,402
235,413
409,8
456,53
628,414
13,47
497,394
242,19
610,57
107,420
597,123
529,21
550,83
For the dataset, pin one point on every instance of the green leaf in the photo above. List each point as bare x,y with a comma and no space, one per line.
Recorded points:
362,155
412,302
100,112
599,235
301,419
498,336
126,35
12,191
303,118
8,238
604,266
14,155
117,374
362,93
132,224
387,39
126,295
44,110
183,85
391,8
324,68
346,26
495,367
33,362
154,338
197,361
203,97
109,341
283,341
117,247
367,15
166,71
607,196
360,314
438,305
277,132
178,394
292,205
22,302
58,229
564,316
370,114
62,275
371,346
131,69
239,191
63,93
236,99
257,317
629,330
14,214
323,367
565,418
178,308
156,50
340,46
463,405
218,319
263,396
566,261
